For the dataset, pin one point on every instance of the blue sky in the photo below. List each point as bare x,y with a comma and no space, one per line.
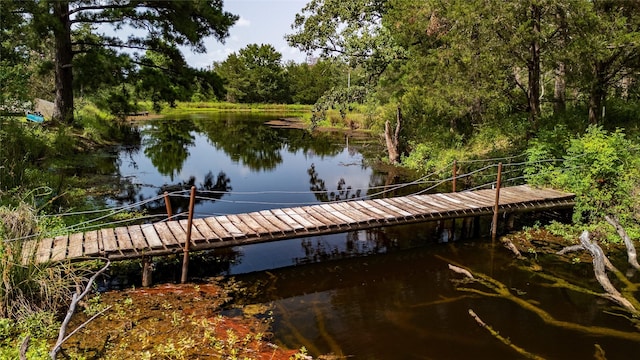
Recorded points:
261,22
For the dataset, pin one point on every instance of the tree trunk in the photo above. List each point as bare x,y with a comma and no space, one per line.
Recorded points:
63,56
559,90
560,72
392,139
534,66
597,93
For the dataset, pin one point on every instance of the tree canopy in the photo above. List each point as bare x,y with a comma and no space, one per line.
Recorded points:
457,64
73,27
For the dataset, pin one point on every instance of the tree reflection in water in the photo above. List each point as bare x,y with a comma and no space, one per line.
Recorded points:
319,188
358,243
211,189
167,143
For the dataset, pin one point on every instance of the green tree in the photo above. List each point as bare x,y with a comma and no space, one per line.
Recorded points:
609,50
153,22
308,82
254,75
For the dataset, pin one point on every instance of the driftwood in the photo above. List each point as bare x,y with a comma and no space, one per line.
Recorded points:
24,347
62,337
601,275
502,339
631,250
509,245
461,271
495,288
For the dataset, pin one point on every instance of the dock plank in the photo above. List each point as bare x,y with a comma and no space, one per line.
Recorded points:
242,226
137,237
273,219
178,232
75,249
29,248
59,249
282,216
109,242
204,229
152,236
253,224
165,235
266,224
317,220
43,254
92,243
230,227
196,235
124,240
215,226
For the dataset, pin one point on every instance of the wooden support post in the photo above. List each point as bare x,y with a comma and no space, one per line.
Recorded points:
167,203
185,260
455,170
511,221
147,269
494,223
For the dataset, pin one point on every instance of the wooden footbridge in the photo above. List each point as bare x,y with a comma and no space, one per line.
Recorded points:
169,237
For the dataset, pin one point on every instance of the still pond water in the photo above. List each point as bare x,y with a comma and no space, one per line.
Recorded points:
376,294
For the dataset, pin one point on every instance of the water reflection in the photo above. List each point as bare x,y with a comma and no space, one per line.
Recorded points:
167,143
267,166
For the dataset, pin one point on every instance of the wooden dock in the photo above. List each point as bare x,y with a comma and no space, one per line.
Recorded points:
169,237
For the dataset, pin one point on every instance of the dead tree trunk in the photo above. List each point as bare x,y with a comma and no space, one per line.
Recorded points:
601,275
631,250
392,139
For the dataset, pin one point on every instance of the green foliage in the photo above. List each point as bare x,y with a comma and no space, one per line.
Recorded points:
255,74
23,146
600,167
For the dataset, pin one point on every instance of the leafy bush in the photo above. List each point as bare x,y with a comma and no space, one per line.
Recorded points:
600,167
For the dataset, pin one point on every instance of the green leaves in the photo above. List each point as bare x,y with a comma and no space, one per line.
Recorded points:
255,74
600,167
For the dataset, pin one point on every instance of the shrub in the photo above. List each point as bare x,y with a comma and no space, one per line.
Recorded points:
600,167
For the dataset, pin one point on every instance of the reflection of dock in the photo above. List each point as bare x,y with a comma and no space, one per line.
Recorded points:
169,237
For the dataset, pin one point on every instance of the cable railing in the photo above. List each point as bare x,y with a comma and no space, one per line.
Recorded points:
477,174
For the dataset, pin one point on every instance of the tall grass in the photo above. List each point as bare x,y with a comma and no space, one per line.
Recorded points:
32,296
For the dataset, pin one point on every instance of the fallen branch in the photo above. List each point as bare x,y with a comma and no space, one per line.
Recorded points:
502,339
631,250
461,271
509,245
599,269
500,290
568,249
24,347
72,309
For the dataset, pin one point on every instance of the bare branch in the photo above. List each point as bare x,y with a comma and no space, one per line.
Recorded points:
601,276
460,270
568,249
631,250
72,308
502,339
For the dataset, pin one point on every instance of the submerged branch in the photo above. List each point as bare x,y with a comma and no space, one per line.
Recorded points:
502,291
502,339
601,275
460,270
